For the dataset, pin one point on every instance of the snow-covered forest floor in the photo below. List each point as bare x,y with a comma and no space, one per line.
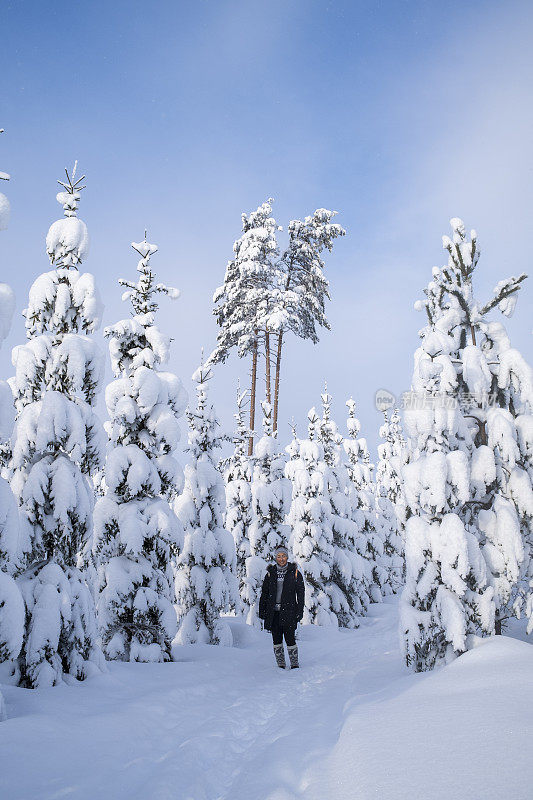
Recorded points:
226,723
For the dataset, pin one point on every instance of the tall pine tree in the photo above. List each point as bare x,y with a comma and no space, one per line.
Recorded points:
243,301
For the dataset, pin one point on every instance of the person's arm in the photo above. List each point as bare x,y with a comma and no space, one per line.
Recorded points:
300,595
263,598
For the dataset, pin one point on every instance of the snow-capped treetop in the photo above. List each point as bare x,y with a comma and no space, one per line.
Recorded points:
359,466
389,469
203,435
329,432
299,304
142,293
451,286
243,301
67,241
138,342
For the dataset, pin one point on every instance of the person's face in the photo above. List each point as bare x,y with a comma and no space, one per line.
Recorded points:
281,559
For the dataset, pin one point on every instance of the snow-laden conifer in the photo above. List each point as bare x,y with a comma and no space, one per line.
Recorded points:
370,539
57,444
237,477
136,533
271,497
495,388
310,520
351,574
464,550
390,500
206,583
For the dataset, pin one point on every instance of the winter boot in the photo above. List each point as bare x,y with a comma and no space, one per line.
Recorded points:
293,656
279,652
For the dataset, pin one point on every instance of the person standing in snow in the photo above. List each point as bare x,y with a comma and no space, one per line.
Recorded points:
281,606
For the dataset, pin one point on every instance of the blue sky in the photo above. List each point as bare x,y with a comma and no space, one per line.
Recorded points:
399,115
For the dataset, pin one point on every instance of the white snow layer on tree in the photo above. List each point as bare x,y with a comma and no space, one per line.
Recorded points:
67,242
206,584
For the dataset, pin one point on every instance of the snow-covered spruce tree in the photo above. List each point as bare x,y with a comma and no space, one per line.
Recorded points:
495,386
242,303
298,302
371,537
136,533
237,478
463,544
57,444
206,583
350,575
390,500
271,500
310,520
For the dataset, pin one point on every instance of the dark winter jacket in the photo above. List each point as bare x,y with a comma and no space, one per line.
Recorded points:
292,597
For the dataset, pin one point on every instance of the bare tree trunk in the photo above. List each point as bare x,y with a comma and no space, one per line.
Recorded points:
498,626
276,381
252,399
267,366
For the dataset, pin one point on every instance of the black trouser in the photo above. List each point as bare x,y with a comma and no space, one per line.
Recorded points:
278,632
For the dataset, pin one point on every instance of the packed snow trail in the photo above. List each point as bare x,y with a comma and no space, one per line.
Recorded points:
225,723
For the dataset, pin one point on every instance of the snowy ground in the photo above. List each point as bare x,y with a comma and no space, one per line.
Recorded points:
225,723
